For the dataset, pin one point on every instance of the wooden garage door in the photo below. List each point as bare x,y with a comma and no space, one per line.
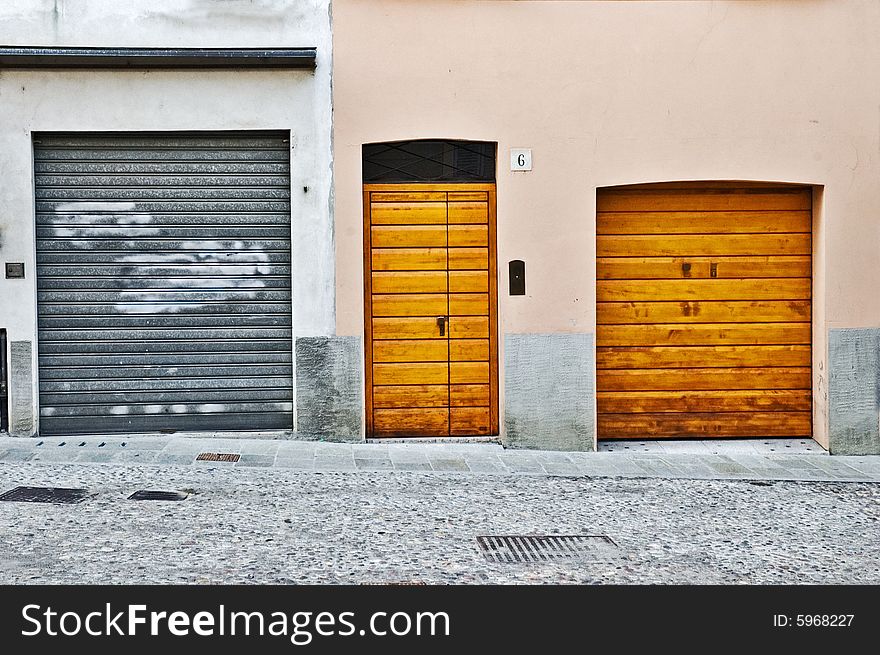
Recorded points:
430,310
703,311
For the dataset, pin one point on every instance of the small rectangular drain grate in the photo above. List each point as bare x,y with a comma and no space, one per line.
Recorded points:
398,583
146,494
513,549
218,457
45,495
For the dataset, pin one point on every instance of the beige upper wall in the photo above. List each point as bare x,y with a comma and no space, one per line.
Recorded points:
612,93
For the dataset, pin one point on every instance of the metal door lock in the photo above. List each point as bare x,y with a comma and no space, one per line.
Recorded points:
441,323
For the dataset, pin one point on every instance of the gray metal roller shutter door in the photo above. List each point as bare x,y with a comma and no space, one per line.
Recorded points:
163,282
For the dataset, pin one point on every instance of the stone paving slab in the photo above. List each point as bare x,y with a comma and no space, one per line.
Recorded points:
16,455
561,468
135,456
335,463
174,458
727,459
374,464
285,452
297,464
368,451
481,466
258,447
413,466
869,465
256,460
449,464
94,456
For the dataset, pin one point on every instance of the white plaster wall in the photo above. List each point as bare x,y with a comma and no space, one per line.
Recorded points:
298,101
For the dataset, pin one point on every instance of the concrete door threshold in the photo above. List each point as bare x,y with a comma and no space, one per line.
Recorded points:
429,440
215,434
758,446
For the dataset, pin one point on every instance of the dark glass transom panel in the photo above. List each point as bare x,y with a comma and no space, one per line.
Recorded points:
429,160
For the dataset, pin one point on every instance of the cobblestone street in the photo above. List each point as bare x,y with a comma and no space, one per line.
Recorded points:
282,525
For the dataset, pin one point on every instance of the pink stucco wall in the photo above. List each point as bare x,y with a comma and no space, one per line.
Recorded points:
619,92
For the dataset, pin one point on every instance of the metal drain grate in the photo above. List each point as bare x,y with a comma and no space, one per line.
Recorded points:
146,494
45,495
218,457
398,583
513,549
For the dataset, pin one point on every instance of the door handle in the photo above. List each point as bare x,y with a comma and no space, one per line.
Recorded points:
441,323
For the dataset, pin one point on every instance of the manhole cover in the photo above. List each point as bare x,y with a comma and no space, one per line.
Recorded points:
218,457
44,495
513,549
146,494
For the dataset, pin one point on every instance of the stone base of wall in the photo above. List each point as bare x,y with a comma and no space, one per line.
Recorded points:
21,389
548,391
854,391
329,398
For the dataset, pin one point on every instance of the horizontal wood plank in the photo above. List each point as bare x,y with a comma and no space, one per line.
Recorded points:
701,290
469,327
408,236
410,304
406,213
705,425
720,311
718,185
637,268
469,350
467,212
703,334
454,196
406,328
468,258
411,350
469,395
431,422
749,400
469,372
703,222
409,259
468,281
673,379
469,421
680,245
468,235
424,395
420,373
707,199
468,304
408,196
409,282
617,357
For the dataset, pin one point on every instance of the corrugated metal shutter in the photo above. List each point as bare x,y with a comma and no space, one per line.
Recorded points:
163,277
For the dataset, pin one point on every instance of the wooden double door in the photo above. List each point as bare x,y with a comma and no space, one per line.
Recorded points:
431,310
